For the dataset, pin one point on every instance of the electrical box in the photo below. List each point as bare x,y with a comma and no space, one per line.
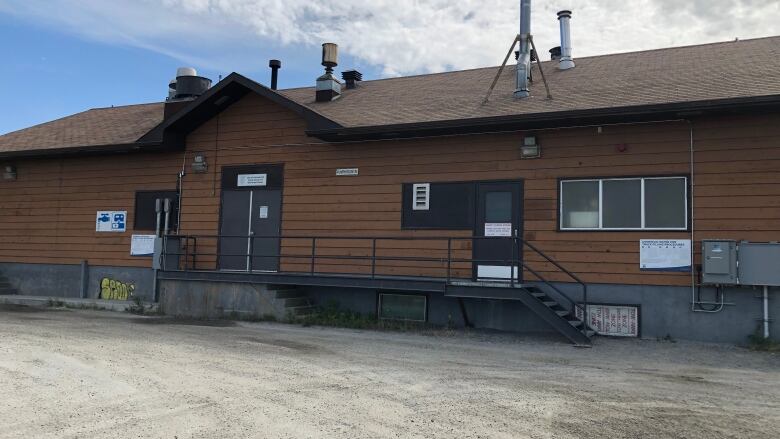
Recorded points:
719,262
759,263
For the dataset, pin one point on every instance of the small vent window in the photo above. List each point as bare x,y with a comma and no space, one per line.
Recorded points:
422,194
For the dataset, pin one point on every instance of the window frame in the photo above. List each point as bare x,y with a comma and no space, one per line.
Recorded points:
643,227
400,293
174,220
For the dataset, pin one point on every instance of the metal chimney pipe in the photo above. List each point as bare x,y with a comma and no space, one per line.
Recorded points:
524,53
275,65
565,62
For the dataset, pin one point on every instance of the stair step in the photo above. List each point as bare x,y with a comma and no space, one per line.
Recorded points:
289,294
300,310
296,301
590,333
562,312
539,295
575,323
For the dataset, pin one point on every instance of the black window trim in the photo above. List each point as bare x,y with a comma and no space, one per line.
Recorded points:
174,218
688,204
379,295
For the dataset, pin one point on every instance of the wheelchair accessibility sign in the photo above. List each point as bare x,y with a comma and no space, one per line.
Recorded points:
111,221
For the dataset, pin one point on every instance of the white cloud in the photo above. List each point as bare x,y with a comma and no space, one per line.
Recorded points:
397,36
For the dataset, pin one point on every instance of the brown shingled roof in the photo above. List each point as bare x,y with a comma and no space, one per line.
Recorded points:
683,74
96,127
710,72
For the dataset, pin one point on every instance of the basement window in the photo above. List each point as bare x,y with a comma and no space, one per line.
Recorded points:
641,203
408,307
145,217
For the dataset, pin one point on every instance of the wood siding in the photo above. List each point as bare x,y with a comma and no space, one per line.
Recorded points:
48,214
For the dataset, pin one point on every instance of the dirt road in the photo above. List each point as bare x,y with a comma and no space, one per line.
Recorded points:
80,374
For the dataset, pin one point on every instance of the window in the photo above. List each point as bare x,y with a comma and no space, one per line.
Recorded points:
643,203
403,307
422,193
145,217
442,206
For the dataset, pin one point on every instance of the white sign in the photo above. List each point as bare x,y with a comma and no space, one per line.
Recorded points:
498,229
263,212
615,320
142,245
347,171
111,221
665,254
245,180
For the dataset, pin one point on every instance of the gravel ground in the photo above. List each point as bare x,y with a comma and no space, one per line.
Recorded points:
94,374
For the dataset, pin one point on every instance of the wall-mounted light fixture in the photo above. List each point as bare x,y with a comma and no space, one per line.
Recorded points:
530,148
9,172
199,164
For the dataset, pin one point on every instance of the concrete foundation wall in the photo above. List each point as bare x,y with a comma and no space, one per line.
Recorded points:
61,280
212,300
486,314
664,310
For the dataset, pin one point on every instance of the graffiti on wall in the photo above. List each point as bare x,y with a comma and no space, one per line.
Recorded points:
111,289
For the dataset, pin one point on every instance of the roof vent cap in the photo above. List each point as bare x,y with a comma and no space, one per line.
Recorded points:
555,53
328,87
188,85
351,77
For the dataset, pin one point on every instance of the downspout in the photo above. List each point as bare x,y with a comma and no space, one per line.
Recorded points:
524,54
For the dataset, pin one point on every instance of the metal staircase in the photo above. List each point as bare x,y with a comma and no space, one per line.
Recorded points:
540,303
296,302
5,287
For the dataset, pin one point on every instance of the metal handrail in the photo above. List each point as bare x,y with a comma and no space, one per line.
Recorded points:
516,259
584,306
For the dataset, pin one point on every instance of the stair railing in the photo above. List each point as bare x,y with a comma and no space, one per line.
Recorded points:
583,285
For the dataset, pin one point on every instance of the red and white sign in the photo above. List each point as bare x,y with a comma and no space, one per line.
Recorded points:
614,320
498,229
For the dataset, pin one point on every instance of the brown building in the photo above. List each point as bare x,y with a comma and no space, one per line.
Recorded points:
414,197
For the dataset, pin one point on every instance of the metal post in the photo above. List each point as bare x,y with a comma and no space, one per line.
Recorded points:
186,254
158,211
766,311
313,252
512,262
250,250
585,308
518,249
449,259
373,258
167,210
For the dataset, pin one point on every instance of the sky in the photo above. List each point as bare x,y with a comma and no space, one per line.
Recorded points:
60,57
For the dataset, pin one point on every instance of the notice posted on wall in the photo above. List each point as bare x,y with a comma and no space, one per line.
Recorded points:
142,245
498,229
251,180
665,255
111,221
612,320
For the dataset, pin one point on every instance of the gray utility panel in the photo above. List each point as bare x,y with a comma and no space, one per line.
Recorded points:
720,262
727,262
759,263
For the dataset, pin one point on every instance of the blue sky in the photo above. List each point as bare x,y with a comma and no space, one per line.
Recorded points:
60,57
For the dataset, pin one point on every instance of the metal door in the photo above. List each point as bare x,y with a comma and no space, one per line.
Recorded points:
266,219
499,219
250,226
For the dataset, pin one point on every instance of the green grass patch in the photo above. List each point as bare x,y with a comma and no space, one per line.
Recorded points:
332,315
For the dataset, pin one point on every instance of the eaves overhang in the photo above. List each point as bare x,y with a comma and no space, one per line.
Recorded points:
558,119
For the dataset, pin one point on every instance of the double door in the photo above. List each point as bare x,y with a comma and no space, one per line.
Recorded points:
249,231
